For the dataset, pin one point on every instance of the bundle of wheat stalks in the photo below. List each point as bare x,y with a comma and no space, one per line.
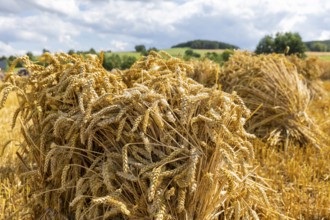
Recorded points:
204,71
147,143
311,70
271,85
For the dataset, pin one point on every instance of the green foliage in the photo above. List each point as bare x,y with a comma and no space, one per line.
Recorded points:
198,44
206,44
288,43
219,58
265,45
127,62
293,40
91,51
143,51
3,63
30,55
152,49
114,61
318,46
11,59
226,55
70,52
45,51
188,54
140,48
216,57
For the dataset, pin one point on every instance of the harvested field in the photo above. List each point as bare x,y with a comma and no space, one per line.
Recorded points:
147,143
318,54
151,143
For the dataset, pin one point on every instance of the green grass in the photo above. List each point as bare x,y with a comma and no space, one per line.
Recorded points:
327,58
127,53
176,52
180,51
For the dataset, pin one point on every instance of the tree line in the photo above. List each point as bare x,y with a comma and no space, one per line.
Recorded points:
319,46
287,43
110,61
290,43
206,44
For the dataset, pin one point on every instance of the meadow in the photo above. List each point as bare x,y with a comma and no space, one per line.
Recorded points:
275,178
179,52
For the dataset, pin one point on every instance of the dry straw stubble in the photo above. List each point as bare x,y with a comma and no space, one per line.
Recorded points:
148,142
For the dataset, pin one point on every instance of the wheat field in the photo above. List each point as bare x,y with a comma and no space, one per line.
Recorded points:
264,182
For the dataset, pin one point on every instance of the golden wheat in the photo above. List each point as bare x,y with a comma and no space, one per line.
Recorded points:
272,85
145,143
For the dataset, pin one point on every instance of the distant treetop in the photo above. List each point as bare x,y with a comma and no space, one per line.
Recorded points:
286,43
206,44
321,46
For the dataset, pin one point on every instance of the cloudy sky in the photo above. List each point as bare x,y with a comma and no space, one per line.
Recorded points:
117,25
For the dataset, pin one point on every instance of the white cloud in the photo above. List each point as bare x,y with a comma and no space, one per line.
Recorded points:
13,6
31,25
325,35
290,23
8,50
118,45
66,7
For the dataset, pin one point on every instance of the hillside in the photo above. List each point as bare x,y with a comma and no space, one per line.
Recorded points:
206,44
322,46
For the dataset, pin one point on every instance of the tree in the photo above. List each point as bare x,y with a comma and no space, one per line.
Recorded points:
205,44
140,48
92,51
112,61
227,54
127,62
188,54
45,51
11,59
30,55
71,52
215,57
265,45
3,64
317,46
292,40
281,43
152,49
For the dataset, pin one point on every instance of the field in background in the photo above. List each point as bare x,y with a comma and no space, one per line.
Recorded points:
128,53
321,55
310,53
11,190
7,133
179,52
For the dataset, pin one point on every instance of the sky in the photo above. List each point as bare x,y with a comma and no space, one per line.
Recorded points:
119,25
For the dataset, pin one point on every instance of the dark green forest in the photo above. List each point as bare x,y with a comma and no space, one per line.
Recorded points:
321,46
206,44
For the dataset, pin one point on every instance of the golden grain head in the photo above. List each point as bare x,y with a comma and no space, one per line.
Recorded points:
127,144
